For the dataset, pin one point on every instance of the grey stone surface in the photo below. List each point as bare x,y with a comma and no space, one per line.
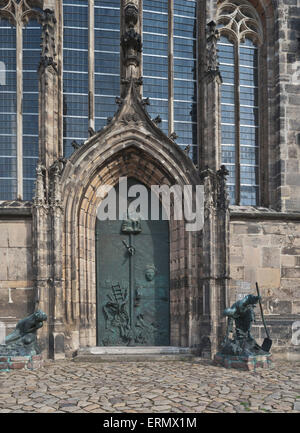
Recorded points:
146,387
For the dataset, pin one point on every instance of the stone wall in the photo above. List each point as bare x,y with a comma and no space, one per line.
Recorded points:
16,285
265,248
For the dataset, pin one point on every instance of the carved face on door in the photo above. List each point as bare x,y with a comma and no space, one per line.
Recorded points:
150,273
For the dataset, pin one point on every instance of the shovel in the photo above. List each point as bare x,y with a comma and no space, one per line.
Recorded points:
267,343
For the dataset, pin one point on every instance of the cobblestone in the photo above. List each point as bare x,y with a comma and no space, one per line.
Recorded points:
193,387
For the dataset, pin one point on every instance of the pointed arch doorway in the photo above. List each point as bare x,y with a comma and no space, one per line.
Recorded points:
133,279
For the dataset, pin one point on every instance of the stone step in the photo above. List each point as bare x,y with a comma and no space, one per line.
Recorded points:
135,354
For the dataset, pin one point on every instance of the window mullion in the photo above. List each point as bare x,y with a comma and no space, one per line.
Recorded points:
91,64
171,66
19,64
237,127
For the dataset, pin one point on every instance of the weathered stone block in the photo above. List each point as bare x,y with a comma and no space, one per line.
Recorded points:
3,235
268,278
3,261
290,272
270,257
252,256
19,264
19,234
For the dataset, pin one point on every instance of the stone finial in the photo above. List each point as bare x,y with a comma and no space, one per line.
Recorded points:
212,63
223,172
145,101
173,136
157,120
223,197
40,190
131,41
55,172
48,53
91,132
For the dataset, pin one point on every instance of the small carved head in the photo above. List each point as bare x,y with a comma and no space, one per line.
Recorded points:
150,272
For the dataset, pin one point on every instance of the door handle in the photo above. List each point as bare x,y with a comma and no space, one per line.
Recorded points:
130,249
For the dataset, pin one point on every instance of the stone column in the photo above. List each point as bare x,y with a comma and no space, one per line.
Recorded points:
42,212
40,244
215,268
56,300
48,93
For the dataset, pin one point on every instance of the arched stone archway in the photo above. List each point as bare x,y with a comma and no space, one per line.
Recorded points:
130,146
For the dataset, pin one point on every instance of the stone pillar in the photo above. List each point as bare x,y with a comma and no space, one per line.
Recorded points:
215,268
46,222
211,145
56,299
48,93
40,243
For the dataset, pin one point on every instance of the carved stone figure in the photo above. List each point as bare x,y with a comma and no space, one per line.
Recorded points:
23,340
241,313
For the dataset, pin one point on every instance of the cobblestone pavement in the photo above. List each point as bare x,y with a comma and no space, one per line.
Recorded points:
160,387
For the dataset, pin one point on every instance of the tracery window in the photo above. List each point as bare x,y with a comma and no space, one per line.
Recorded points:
169,67
92,66
240,41
20,32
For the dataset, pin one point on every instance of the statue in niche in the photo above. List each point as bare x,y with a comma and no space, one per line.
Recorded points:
23,340
241,313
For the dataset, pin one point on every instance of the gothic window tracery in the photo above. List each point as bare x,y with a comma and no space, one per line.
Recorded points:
20,32
241,36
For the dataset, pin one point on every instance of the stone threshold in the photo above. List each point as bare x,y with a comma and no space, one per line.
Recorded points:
134,353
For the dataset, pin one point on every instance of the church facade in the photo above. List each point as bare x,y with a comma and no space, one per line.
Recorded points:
200,93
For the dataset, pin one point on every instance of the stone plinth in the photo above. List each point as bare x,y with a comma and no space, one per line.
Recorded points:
249,363
8,363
